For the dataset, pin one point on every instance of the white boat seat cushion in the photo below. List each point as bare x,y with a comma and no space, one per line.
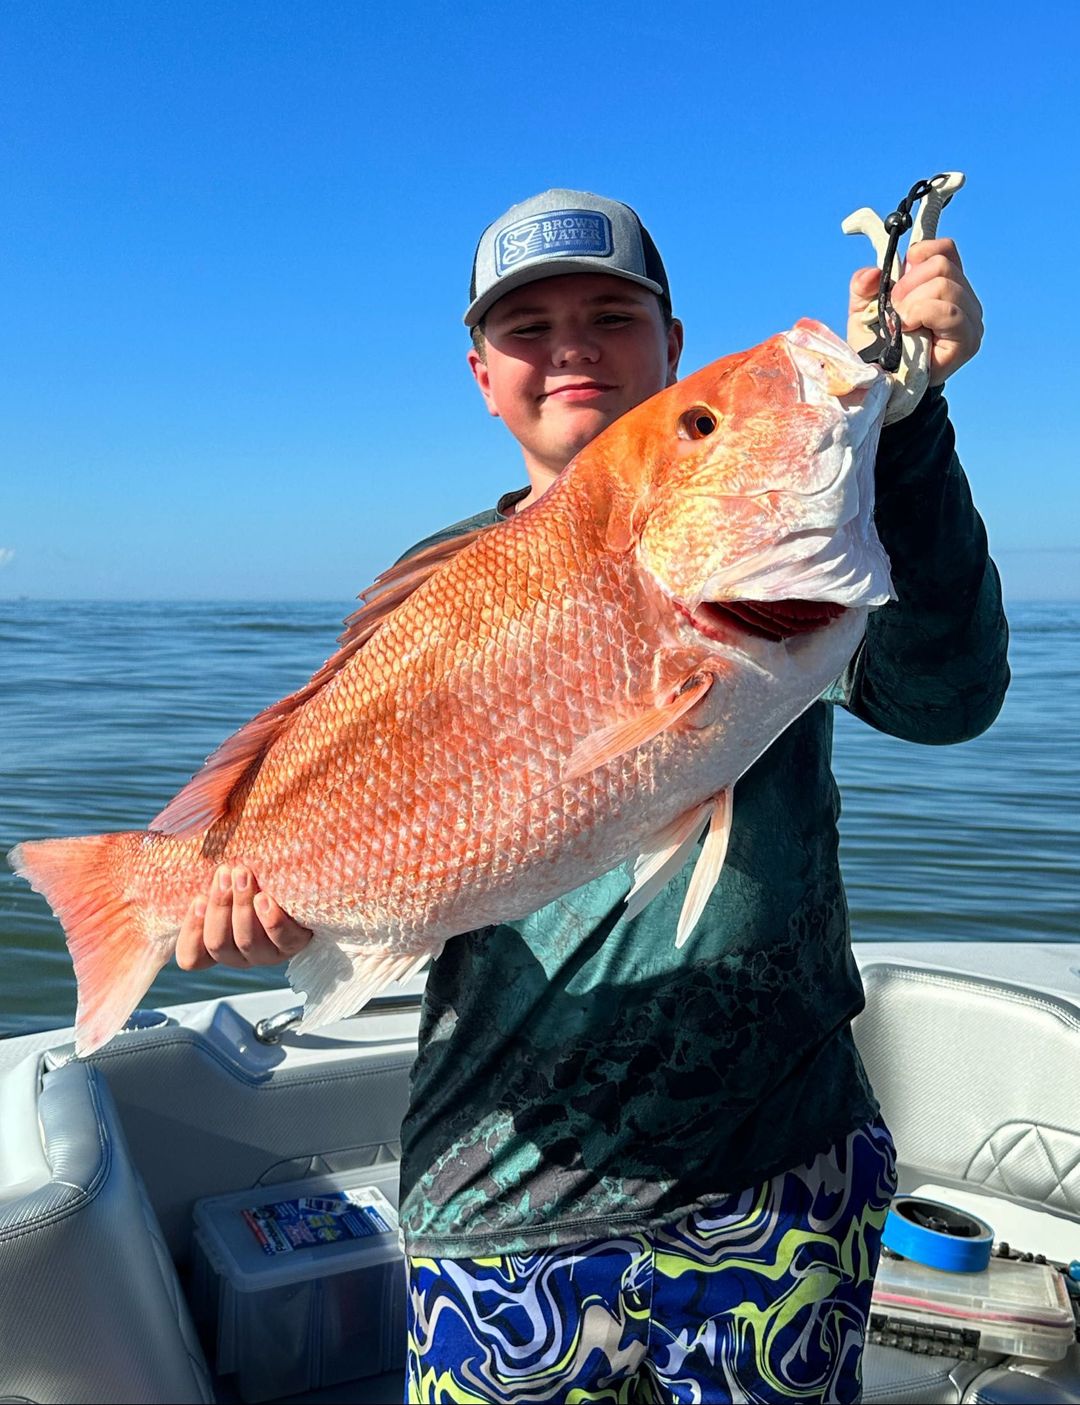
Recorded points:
977,1080
98,1315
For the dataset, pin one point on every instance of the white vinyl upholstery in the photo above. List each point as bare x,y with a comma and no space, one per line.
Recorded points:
978,1082
201,1119
90,1305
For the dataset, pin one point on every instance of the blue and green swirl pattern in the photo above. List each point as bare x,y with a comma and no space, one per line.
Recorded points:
762,1296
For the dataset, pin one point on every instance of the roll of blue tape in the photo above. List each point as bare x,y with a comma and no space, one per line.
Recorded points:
939,1236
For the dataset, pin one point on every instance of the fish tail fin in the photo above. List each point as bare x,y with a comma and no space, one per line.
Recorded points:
114,955
338,980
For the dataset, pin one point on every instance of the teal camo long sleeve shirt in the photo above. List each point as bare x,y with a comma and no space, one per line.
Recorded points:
577,1075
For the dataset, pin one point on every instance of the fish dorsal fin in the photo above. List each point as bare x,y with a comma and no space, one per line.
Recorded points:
387,591
209,795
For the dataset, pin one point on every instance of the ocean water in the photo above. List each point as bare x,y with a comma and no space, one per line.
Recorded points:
107,708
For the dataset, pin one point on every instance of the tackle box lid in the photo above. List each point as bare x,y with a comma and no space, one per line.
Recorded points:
268,1236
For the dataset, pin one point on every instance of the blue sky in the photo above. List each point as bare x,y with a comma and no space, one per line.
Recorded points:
238,237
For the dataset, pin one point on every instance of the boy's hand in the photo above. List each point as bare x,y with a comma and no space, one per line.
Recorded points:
237,925
933,294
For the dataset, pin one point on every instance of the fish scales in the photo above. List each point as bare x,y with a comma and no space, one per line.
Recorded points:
576,686
445,694
474,740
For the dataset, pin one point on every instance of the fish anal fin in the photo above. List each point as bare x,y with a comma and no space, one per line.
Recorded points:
615,740
339,978
209,795
707,869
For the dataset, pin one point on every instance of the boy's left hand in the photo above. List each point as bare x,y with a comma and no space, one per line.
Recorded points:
933,294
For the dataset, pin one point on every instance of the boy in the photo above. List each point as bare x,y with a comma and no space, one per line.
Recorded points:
627,1166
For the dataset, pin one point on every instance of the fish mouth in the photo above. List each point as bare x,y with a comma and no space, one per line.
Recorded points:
765,619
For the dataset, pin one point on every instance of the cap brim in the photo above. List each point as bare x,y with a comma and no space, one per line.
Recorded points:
479,307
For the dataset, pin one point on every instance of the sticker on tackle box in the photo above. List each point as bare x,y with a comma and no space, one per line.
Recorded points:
282,1226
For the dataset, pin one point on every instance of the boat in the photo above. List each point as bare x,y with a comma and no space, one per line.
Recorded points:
108,1292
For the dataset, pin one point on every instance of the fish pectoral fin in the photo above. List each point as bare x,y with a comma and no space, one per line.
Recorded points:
339,978
707,869
615,740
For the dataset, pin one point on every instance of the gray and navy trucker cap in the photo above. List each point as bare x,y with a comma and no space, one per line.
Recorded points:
562,231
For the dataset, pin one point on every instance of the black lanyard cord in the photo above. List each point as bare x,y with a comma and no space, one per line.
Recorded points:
899,222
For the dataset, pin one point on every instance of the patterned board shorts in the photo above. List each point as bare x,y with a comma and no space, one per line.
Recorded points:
762,1296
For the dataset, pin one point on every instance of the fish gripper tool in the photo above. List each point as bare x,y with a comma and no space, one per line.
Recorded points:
904,355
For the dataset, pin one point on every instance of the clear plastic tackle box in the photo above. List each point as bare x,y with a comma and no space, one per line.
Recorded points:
302,1285
1020,1309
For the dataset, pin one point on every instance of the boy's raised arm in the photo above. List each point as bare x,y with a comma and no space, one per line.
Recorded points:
933,666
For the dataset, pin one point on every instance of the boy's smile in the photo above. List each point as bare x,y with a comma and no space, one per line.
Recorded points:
579,392
566,356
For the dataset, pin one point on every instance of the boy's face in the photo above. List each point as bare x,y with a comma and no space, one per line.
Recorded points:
566,356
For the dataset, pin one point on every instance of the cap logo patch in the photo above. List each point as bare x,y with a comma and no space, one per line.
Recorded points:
559,232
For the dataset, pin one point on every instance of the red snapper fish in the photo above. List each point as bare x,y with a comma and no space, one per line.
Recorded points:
513,713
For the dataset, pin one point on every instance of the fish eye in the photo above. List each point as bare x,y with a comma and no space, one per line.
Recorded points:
696,423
